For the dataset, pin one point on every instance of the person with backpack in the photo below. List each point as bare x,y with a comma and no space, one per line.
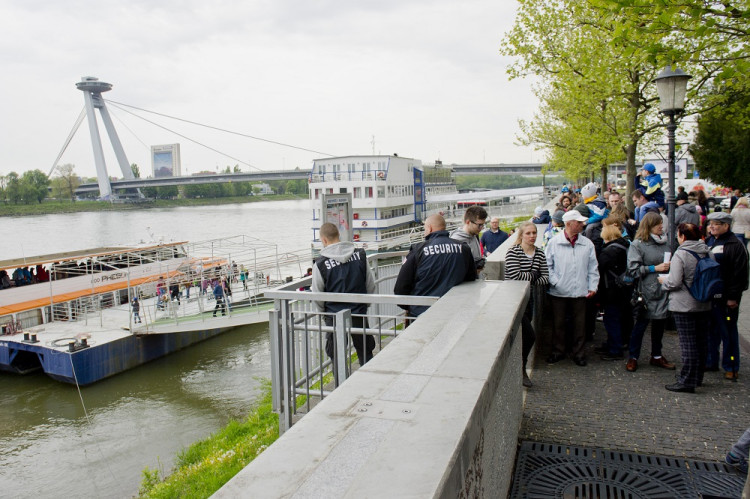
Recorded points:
732,256
646,259
614,288
691,315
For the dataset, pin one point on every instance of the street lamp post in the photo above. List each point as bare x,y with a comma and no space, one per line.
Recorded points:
672,87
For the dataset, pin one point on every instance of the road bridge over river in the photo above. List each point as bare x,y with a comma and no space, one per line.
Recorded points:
528,169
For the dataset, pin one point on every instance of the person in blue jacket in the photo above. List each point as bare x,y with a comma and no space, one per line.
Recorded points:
649,183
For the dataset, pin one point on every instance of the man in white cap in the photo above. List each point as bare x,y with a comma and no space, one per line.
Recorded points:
573,277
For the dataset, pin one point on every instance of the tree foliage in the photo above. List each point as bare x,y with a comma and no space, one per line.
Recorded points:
65,183
31,187
596,60
722,147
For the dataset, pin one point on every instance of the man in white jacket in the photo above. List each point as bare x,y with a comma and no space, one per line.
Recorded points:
573,277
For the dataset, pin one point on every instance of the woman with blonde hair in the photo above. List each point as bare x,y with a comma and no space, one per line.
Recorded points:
615,288
525,262
741,219
646,259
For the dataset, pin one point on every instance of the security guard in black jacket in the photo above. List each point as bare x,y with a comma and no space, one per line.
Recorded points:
342,268
433,267
731,255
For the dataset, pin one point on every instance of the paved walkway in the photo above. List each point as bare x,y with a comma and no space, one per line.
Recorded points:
603,405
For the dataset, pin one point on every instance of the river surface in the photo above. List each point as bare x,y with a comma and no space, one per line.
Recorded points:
55,443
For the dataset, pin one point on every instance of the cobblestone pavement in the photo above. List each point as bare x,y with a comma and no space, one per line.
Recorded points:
603,405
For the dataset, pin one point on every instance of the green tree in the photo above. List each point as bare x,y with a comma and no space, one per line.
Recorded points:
596,98
34,186
136,170
722,146
13,187
167,192
66,182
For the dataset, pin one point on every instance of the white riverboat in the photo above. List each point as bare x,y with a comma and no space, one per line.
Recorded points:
379,202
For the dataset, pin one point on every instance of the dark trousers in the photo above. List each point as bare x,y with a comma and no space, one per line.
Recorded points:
220,305
692,330
639,330
528,336
724,330
363,344
613,325
577,309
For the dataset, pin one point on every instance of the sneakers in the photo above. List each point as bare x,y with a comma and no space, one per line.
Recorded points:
632,365
736,462
662,362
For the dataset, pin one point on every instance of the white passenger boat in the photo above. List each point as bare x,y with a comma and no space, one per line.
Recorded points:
378,201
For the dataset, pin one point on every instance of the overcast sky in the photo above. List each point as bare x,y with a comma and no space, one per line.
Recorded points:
423,77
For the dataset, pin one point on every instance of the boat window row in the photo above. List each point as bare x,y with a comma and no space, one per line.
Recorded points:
24,276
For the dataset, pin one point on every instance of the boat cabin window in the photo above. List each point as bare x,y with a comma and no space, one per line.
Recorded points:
368,190
357,192
342,190
381,192
317,193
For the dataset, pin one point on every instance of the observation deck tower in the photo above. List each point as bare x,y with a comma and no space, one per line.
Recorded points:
92,90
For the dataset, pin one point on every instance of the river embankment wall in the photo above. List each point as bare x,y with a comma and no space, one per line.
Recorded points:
435,414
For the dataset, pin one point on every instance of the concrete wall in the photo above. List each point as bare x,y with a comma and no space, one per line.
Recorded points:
435,414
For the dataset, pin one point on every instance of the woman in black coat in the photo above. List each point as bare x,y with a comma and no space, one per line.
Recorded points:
614,290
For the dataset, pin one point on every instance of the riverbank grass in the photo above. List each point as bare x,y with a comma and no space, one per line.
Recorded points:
205,466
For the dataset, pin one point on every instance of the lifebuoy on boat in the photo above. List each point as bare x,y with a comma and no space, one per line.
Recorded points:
381,175
364,223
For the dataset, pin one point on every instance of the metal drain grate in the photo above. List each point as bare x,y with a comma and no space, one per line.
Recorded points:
570,472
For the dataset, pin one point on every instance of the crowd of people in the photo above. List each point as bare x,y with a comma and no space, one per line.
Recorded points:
622,269
597,259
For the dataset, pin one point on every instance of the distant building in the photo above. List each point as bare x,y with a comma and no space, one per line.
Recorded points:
264,189
165,160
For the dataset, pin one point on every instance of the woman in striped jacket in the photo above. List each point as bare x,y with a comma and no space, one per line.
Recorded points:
525,262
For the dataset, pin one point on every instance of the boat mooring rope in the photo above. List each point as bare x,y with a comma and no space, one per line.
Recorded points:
88,420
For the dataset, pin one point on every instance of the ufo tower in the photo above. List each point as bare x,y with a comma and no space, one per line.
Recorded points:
92,90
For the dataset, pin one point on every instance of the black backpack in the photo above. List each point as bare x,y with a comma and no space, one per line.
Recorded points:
621,280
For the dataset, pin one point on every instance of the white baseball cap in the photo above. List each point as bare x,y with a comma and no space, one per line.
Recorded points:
574,216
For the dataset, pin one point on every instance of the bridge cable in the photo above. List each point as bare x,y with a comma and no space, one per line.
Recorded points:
120,120
186,137
225,130
73,131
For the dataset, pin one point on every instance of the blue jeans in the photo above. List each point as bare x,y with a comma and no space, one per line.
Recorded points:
612,324
724,330
636,337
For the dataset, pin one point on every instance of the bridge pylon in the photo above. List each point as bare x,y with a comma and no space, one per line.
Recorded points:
92,90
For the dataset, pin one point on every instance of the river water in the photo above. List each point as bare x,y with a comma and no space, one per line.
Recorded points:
55,443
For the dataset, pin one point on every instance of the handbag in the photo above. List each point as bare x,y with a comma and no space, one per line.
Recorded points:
638,302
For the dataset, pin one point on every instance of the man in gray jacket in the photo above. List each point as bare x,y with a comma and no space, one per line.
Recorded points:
573,277
474,220
685,212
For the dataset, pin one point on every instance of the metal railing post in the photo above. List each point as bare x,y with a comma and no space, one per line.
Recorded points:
287,390
341,351
273,336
